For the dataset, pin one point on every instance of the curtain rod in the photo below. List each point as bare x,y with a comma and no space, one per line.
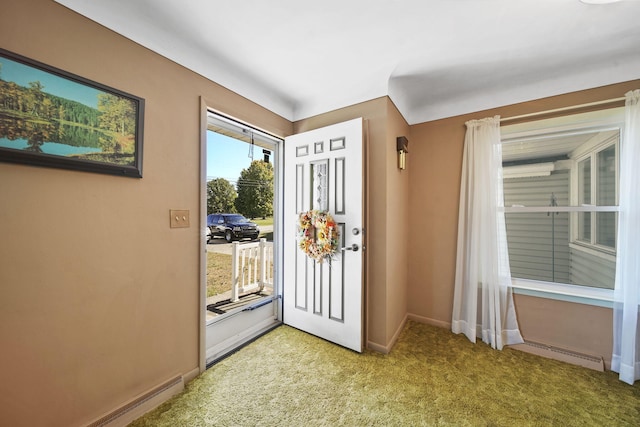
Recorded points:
558,110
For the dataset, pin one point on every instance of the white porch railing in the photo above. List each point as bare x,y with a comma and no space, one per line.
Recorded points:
251,267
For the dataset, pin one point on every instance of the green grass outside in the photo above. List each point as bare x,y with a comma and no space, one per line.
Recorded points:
263,222
218,273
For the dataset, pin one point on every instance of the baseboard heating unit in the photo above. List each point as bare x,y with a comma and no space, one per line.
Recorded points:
140,405
561,354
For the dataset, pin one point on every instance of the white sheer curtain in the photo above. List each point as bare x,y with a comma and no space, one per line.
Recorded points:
626,339
483,276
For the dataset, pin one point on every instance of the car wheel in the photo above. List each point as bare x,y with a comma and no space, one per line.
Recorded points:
228,236
254,237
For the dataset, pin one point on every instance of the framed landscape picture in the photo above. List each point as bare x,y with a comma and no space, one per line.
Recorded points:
49,117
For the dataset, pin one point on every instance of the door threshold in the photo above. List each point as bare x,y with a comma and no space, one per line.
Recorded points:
237,337
225,308
213,361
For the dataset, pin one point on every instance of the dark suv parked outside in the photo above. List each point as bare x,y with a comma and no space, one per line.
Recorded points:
232,226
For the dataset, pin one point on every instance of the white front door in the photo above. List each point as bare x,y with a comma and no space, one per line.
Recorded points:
324,171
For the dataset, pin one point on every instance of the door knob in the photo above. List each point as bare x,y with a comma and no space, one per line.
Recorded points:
353,248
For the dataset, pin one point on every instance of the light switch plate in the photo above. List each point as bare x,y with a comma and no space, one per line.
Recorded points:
179,218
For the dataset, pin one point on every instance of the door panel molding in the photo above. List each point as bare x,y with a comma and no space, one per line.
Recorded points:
326,299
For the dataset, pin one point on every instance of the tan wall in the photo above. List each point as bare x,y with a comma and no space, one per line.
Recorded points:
375,114
398,224
435,170
573,326
99,298
388,195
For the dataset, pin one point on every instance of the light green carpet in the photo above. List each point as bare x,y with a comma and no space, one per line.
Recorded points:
431,377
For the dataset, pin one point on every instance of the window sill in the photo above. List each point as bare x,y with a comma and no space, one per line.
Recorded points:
564,292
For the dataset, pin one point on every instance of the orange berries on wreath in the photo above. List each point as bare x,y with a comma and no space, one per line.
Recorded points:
318,235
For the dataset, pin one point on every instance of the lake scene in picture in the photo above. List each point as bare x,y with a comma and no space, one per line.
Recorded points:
46,113
49,147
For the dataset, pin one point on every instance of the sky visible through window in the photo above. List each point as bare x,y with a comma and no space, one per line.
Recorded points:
226,157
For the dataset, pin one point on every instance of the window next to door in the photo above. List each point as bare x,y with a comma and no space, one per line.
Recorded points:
561,202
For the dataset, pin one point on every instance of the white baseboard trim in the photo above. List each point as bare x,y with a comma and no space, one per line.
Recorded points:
596,363
140,405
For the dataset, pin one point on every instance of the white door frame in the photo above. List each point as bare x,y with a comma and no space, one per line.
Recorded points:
277,236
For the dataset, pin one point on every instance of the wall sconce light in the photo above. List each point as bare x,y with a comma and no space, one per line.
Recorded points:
402,145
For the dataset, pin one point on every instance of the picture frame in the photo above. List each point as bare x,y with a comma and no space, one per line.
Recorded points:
53,118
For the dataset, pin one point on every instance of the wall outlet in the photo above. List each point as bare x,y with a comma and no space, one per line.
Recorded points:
179,218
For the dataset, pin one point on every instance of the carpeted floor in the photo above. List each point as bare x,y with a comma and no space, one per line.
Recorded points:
431,378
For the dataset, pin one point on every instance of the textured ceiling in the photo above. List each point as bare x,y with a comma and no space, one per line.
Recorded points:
434,58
